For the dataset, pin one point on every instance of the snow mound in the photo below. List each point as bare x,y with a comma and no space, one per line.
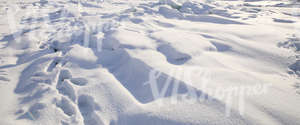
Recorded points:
81,56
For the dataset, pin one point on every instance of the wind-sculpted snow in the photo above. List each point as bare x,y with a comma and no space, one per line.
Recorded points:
152,62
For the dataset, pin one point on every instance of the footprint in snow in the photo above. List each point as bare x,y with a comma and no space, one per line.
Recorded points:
64,86
282,20
67,107
87,107
2,78
173,56
79,81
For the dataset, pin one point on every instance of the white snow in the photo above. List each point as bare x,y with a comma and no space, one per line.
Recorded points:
150,62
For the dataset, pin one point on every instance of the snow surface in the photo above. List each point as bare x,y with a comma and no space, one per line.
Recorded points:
93,62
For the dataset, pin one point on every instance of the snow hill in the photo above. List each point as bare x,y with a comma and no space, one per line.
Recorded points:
149,62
